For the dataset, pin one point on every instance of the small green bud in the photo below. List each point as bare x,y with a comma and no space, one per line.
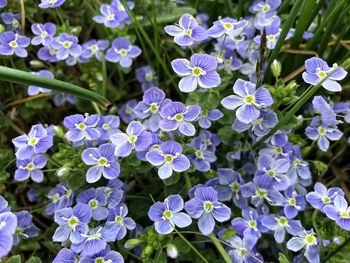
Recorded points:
59,131
36,64
2,28
131,243
148,250
276,68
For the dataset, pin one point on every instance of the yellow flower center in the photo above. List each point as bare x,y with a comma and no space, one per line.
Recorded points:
13,44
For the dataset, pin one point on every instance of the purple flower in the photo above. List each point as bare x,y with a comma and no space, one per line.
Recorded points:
47,54
31,168
3,3
227,26
242,250
81,127
210,140
317,70
167,215
119,222
293,203
153,100
178,116
111,17
25,228
202,157
307,240
11,43
60,98
322,133
114,192
44,33
93,48
230,187
250,226
272,34
3,205
66,45
201,70
103,162
299,169
206,117
13,21
50,3
323,196
126,112
65,255
206,207
146,76
168,158
122,51
248,100
8,223
106,255
36,142
95,241
107,126
280,224
274,171
34,90
339,211
328,116
60,196
187,32
96,199
136,137
72,223
264,7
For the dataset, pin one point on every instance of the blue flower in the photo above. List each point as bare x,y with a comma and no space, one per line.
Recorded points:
66,45
8,223
339,211
126,111
122,52
72,223
114,192
307,240
243,250
65,255
227,26
200,71
3,3
167,215
81,127
317,70
206,117
93,48
248,101
61,197
118,221
187,32
13,21
25,228
31,168
146,76
104,162
97,200
108,125
50,3
293,203
202,157
106,255
136,137
168,158
44,33
36,142
11,43
111,17
207,208
178,116
34,90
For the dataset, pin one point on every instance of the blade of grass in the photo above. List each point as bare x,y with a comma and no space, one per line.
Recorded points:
220,248
228,4
26,78
287,26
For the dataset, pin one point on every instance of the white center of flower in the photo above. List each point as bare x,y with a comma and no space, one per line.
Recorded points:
322,131
67,44
13,44
132,139
44,34
310,239
123,52
208,206
33,141
30,166
93,203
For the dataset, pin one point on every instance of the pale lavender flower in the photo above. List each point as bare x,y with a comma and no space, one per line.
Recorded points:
31,168
110,16
167,215
122,52
93,48
126,112
44,33
34,90
25,228
264,7
242,250
81,127
65,255
317,70
50,3
205,206
117,218
293,203
178,116
60,196
47,54
339,211
206,117
97,200
307,240
66,45
3,3
227,26
248,100
200,71
187,32
8,223
136,137
107,126
107,255
13,21
202,157
168,157
146,76
11,43
104,162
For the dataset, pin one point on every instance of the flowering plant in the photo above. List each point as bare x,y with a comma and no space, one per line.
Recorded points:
174,131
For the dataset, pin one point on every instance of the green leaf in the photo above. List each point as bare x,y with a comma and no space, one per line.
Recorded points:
172,179
14,259
320,166
161,258
26,78
209,100
33,260
283,258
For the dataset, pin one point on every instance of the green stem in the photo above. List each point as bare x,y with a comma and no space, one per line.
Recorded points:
220,248
104,76
191,246
228,4
188,181
337,250
22,77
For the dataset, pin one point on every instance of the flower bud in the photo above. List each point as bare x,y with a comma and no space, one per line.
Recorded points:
36,64
131,243
58,131
172,251
62,171
276,68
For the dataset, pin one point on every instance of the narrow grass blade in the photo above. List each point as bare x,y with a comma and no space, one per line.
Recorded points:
26,78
